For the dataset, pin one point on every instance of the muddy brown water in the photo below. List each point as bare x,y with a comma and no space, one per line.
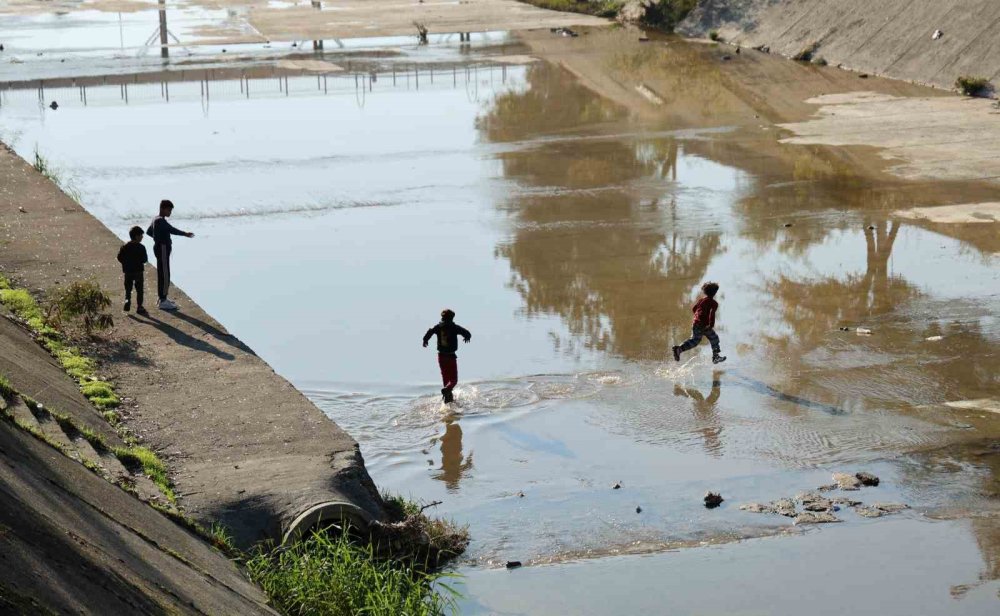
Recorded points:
570,234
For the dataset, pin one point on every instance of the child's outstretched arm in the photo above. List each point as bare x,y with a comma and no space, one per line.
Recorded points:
430,332
466,334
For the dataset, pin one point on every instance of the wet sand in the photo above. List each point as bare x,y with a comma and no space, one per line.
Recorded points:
569,221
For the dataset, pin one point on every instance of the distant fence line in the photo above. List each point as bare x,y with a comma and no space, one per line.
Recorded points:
229,84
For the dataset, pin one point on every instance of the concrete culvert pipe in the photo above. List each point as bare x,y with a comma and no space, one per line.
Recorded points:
335,514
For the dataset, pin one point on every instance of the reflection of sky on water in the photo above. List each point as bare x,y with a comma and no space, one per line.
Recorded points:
571,241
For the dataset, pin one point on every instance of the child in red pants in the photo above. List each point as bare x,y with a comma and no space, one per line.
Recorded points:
447,332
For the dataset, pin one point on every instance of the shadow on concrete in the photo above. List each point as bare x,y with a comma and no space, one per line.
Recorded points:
215,332
184,339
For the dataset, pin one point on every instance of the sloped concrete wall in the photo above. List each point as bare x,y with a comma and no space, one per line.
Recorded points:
892,38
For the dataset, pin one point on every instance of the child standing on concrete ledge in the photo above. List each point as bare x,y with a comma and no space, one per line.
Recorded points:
132,255
704,324
447,332
161,230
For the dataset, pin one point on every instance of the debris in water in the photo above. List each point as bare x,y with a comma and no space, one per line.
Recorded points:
845,329
563,32
638,509
727,57
809,517
937,34
421,33
863,76
788,224
617,486
21,209
713,500
934,338
53,105
846,481
520,494
867,479
513,564
863,331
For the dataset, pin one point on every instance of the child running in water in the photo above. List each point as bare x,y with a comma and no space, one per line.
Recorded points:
447,332
704,324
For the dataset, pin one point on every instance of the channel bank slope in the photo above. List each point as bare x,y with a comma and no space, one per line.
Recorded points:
893,38
244,446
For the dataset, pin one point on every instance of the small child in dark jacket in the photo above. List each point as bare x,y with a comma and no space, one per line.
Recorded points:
132,255
447,332
704,324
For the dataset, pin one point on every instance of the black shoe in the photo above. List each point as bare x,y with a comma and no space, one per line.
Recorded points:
718,359
128,305
677,353
446,394
142,311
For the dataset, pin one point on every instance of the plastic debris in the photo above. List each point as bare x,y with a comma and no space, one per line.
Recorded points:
867,479
934,338
863,331
937,34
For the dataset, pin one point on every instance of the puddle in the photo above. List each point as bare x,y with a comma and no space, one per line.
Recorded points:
336,216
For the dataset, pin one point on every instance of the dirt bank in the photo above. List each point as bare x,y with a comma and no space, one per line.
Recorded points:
894,38
246,448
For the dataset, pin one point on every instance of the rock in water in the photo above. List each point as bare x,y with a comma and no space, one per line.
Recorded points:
867,479
513,564
757,508
785,507
713,500
808,517
819,505
846,482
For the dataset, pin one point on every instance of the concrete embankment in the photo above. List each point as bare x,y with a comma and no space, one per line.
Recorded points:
892,38
71,542
244,447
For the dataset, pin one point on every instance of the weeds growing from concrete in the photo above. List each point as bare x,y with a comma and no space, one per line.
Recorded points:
806,53
972,86
83,301
136,457
329,574
6,389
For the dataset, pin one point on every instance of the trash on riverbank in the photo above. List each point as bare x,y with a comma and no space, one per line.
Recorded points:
713,500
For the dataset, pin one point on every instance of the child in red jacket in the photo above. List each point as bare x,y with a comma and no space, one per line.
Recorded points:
704,324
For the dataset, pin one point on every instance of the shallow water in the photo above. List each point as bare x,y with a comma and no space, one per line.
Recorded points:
336,217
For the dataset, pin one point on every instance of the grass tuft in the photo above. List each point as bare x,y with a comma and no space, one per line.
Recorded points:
101,394
806,53
152,466
972,86
6,389
409,535
328,574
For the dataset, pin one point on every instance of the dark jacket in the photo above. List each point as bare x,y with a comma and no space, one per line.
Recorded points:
447,333
704,312
161,230
132,256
